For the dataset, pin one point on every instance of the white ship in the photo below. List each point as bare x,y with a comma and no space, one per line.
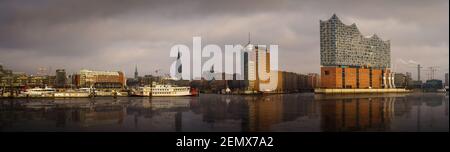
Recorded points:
72,94
110,93
164,91
40,92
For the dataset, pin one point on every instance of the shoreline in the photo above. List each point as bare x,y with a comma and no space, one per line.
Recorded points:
359,91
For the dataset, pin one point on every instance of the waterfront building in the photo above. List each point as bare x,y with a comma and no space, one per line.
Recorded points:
313,80
61,78
22,81
408,78
446,79
40,81
255,58
401,80
10,80
100,79
416,84
258,58
433,85
350,60
250,67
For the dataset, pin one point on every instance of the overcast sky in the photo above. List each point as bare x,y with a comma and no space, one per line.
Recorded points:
117,34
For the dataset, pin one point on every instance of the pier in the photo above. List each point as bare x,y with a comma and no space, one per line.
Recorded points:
353,91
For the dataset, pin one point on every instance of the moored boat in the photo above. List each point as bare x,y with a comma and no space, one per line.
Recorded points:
166,90
72,94
40,92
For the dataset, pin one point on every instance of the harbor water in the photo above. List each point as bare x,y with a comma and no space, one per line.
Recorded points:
302,112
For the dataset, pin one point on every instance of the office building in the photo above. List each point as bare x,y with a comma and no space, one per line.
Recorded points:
256,58
100,79
313,81
433,85
446,79
61,78
400,80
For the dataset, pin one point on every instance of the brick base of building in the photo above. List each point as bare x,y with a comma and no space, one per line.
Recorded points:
336,77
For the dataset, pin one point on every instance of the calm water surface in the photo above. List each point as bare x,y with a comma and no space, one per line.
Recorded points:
210,112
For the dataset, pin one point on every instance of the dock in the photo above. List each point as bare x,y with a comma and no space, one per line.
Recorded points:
354,91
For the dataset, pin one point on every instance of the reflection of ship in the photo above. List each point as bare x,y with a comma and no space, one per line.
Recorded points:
100,115
39,105
287,112
170,104
160,104
165,91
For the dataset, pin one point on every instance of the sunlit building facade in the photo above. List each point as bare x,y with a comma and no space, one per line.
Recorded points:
101,79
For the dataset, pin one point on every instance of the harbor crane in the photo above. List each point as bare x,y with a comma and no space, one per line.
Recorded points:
431,71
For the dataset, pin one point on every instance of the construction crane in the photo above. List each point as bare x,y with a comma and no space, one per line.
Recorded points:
418,67
431,71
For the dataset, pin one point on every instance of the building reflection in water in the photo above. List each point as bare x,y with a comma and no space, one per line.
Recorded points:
357,114
166,113
383,112
256,113
81,113
277,112
90,116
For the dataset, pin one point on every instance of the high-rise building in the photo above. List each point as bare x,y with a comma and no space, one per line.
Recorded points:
250,66
350,60
256,58
61,78
446,79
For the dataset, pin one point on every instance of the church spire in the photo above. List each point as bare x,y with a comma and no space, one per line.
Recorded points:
248,37
136,72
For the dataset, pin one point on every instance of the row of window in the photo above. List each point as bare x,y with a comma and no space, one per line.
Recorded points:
184,89
164,93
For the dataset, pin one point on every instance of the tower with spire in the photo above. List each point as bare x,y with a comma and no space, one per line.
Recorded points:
136,75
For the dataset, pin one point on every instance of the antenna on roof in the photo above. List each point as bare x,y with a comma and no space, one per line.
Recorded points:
248,37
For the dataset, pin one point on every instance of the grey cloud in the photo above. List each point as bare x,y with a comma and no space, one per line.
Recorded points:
115,34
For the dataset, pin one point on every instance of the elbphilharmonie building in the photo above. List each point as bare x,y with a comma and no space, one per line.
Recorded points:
350,60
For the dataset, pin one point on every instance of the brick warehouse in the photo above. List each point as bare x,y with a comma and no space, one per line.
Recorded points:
350,60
